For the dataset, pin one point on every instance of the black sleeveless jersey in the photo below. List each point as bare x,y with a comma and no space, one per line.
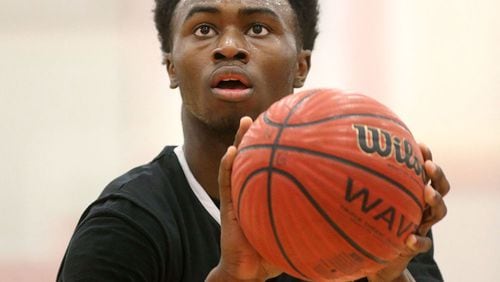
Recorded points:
148,225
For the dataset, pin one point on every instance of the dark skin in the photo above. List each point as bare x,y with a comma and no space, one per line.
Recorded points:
234,58
219,40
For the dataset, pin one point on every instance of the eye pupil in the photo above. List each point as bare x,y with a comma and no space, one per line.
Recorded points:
257,29
205,29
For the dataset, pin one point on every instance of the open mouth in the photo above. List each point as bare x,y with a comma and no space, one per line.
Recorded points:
231,84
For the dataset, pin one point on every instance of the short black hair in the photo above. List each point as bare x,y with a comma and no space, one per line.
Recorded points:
306,11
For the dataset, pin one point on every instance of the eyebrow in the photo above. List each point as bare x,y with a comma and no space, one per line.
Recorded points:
201,9
242,12
258,10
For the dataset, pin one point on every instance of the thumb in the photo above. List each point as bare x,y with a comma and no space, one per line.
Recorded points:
225,169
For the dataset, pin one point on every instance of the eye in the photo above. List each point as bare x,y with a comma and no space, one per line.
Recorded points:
258,30
204,30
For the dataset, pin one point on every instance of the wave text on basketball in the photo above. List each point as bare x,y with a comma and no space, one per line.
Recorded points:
380,210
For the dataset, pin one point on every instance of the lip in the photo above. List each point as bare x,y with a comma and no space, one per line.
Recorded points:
231,73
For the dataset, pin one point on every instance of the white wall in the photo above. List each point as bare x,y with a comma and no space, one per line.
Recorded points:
84,97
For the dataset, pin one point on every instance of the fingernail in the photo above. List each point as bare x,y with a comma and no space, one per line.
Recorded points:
432,166
431,193
411,241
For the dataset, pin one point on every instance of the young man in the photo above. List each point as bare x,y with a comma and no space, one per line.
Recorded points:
160,221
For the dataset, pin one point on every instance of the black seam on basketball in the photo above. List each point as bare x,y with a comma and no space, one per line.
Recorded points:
275,231
328,219
342,160
270,122
273,227
274,148
244,185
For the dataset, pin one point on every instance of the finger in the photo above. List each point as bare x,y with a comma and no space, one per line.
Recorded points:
225,169
427,155
435,211
245,123
426,152
418,244
438,178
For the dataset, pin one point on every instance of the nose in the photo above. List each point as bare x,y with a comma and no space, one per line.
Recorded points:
231,46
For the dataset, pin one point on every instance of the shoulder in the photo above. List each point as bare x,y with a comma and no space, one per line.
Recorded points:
147,179
144,197
131,224
153,187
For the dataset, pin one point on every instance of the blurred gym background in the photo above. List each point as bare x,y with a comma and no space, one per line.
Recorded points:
84,98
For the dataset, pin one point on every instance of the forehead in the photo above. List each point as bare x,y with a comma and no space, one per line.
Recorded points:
281,8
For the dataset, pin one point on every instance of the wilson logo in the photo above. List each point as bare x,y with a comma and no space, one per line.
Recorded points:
372,140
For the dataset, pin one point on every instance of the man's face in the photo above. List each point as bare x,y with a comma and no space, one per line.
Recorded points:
232,58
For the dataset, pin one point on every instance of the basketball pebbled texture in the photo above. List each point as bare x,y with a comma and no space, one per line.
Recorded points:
328,185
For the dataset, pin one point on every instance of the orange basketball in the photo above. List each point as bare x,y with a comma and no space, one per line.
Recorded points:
328,185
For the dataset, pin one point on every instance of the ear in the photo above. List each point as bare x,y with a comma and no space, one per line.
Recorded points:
167,60
303,66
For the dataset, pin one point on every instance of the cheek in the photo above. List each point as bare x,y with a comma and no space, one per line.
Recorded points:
189,63
280,70
279,61
186,67
185,72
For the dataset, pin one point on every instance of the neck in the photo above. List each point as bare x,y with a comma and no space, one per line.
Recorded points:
203,149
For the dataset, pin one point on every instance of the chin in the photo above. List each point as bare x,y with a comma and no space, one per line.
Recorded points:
224,125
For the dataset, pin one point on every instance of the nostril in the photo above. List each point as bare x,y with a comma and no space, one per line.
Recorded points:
222,54
218,56
240,56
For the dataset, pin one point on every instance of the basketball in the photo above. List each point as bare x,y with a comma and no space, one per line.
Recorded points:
328,185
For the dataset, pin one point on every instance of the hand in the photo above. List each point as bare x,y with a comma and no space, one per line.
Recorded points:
436,208
435,211
239,260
